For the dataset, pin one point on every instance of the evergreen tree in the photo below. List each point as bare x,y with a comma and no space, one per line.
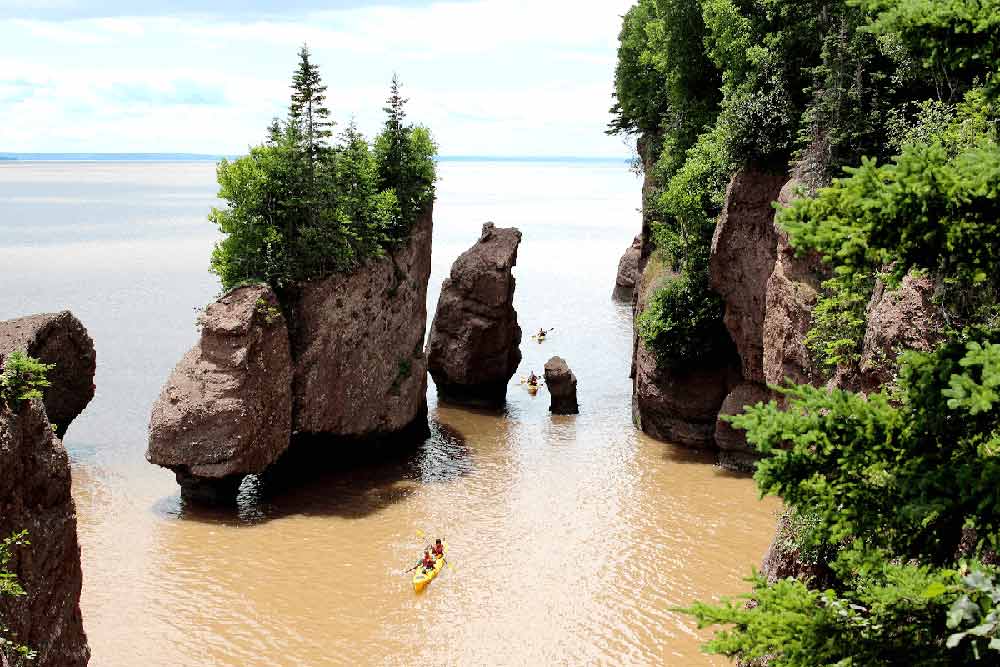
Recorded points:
307,111
394,149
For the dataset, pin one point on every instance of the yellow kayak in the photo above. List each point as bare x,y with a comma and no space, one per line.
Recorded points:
423,577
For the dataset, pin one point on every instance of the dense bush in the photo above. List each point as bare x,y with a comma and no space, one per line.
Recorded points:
299,208
23,379
682,323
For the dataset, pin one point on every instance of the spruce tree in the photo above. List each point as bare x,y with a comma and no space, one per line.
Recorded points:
396,138
307,110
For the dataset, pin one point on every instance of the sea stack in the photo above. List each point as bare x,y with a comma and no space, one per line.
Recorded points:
336,362
561,383
60,339
474,345
226,410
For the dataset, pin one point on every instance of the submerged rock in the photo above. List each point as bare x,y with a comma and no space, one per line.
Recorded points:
561,383
60,339
225,412
474,345
35,496
357,344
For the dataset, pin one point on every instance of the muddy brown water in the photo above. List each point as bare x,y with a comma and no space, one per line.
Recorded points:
571,538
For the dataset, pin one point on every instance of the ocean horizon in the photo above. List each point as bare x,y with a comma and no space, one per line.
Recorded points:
204,157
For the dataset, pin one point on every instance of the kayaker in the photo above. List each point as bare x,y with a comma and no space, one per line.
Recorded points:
542,333
438,548
427,562
533,379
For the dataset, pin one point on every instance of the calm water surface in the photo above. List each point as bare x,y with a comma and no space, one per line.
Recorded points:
572,538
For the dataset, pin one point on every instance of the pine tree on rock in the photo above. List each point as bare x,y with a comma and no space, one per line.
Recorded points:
395,149
308,112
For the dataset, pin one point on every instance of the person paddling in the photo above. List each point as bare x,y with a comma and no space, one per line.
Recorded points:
542,333
427,562
532,379
438,548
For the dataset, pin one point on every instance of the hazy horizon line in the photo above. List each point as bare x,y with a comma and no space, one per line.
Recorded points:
213,157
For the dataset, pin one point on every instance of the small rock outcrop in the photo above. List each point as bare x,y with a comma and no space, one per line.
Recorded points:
60,339
474,345
357,344
744,250
35,496
225,412
628,268
561,383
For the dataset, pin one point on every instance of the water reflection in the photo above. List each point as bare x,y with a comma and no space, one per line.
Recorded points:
315,481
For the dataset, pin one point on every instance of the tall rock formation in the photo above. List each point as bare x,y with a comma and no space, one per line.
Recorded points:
357,344
744,250
330,361
226,410
791,293
474,345
60,339
35,496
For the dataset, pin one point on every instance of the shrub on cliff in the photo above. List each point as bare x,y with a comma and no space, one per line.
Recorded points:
300,208
23,379
15,653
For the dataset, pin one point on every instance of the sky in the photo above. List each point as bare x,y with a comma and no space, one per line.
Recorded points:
489,77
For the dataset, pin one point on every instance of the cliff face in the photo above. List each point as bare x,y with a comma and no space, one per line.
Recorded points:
769,293
339,359
60,339
35,496
474,346
357,345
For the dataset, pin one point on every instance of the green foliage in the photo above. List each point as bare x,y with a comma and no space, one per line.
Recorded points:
298,208
909,482
957,41
682,323
23,379
639,83
925,210
16,653
894,614
838,321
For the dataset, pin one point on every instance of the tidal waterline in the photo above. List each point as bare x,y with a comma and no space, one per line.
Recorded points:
572,537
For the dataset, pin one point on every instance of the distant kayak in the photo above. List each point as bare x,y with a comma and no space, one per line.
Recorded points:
540,336
423,577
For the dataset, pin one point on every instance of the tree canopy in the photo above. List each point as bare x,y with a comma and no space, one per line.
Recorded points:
298,207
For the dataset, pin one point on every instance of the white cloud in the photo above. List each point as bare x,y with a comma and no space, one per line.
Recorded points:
489,77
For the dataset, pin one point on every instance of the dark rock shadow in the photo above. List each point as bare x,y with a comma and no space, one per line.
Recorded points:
337,477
